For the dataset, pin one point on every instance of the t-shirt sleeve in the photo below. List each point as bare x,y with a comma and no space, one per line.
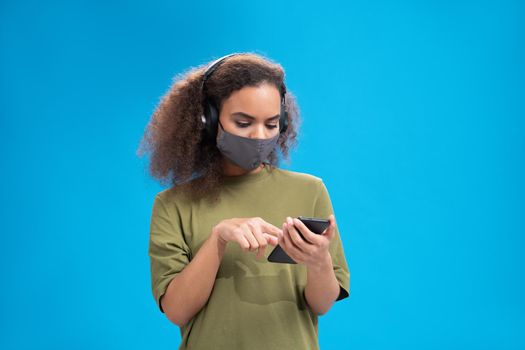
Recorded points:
168,251
323,209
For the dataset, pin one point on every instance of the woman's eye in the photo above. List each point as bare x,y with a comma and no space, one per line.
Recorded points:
245,125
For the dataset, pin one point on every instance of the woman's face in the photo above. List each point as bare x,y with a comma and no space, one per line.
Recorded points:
252,111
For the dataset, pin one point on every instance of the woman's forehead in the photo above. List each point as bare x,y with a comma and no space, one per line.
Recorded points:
256,101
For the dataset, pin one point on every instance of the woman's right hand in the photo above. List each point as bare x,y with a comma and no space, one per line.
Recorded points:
252,234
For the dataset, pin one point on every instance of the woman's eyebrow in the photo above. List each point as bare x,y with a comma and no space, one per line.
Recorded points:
242,114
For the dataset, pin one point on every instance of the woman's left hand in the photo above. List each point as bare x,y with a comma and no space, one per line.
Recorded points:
311,251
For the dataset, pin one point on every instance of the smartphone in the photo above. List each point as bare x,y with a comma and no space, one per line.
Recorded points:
316,225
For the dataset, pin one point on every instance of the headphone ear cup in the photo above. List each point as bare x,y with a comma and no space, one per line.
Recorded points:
207,112
283,120
213,121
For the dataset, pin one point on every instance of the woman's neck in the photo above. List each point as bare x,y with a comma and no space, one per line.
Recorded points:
230,169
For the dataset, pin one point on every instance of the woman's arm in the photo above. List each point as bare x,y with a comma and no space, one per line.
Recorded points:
322,288
312,250
190,289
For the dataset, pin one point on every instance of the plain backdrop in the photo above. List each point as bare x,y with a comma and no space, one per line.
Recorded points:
413,115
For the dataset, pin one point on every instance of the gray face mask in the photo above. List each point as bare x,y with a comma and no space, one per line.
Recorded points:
245,152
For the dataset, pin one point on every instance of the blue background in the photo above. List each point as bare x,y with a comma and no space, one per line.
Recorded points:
413,115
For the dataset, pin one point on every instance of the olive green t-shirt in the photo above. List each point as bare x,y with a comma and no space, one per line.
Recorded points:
254,304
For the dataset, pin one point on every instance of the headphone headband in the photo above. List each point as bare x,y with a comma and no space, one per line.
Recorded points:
214,65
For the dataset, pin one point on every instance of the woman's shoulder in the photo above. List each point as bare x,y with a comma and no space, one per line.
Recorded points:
298,177
170,195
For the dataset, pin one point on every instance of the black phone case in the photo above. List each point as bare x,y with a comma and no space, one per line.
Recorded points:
316,225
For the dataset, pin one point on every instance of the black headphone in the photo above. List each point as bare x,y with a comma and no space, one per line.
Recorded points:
210,117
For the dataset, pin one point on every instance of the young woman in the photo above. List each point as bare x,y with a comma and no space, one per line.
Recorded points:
214,137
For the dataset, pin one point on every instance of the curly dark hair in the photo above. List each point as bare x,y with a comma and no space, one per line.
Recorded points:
180,154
